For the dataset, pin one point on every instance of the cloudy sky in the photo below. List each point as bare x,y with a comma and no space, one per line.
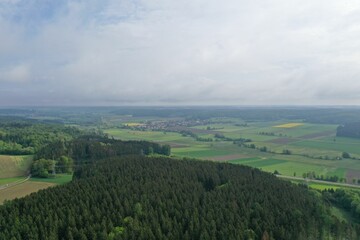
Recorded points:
168,52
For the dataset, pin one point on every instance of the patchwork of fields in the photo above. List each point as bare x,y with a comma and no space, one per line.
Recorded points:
312,147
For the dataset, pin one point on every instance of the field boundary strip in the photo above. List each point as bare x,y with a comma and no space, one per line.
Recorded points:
4,186
289,125
318,181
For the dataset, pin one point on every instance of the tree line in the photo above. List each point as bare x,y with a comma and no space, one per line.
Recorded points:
349,130
62,156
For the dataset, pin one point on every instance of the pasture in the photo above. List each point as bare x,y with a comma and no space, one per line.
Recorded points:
58,179
127,134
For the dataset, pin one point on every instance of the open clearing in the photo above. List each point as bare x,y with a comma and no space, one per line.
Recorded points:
59,179
14,166
22,190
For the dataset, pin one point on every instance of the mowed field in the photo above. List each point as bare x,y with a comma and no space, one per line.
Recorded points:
307,142
23,189
29,186
14,166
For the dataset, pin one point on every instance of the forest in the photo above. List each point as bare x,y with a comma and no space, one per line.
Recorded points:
23,137
349,130
139,197
62,156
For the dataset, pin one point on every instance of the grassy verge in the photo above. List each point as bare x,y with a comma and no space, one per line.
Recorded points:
323,186
10,180
58,179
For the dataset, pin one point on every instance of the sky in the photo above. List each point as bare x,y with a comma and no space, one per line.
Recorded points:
168,52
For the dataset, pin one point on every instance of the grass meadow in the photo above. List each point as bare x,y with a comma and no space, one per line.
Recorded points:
58,179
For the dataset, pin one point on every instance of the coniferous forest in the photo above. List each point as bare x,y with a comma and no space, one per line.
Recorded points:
139,197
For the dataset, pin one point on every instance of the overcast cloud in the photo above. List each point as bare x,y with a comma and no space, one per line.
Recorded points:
167,52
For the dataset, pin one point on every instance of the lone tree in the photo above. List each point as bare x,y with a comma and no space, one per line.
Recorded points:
346,155
286,152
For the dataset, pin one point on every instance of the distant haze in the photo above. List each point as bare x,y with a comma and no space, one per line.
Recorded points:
167,52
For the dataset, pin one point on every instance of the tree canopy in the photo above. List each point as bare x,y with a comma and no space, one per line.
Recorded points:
139,197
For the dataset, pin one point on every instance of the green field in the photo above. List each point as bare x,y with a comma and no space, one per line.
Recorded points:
352,146
126,134
310,145
10,180
58,179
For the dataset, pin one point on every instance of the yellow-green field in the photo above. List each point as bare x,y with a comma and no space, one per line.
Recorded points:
14,166
127,134
132,124
289,125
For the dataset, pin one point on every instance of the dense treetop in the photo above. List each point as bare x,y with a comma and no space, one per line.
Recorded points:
93,147
138,197
349,130
27,137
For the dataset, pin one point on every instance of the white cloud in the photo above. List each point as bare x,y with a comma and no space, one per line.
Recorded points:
176,52
17,74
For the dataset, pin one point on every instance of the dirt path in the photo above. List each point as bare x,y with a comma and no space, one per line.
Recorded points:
14,183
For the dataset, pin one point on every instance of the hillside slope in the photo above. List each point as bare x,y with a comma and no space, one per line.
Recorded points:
160,198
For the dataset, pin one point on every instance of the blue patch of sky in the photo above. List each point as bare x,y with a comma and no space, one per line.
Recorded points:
34,12
121,11
32,15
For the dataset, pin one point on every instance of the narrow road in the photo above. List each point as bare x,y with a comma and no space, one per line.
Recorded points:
318,181
14,183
